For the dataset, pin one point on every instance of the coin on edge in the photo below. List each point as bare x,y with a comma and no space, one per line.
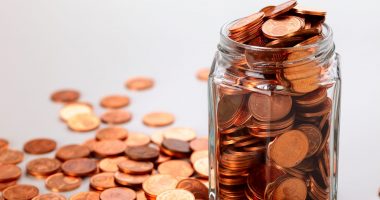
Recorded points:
176,168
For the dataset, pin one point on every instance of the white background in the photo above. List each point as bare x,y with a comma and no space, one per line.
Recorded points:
95,46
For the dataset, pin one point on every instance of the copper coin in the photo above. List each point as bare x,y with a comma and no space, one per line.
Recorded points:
158,184
111,164
43,167
289,149
72,151
65,96
283,43
158,119
79,167
130,179
280,27
112,133
199,190
70,110
106,148
83,122
90,144
5,185
21,192
196,155
291,188
269,108
308,11
103,181
118,194
116,117
228,107
157,137
86,196
142,153
61,183
175,194
203,73
176,148
184,134
267,10
176,168
201,166
9,172
40,146
3,143
115,101
314,136
136,167
199,144
49,196
139,83
247,22
311,40
137,139
10,156
281,9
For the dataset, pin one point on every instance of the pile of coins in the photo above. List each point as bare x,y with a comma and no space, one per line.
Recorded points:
120,165
273,121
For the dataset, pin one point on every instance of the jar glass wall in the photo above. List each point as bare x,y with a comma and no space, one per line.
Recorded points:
274,120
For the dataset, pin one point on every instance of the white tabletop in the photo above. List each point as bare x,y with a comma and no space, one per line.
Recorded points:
95,46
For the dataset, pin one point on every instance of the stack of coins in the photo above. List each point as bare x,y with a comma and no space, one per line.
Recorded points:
119,164
273,141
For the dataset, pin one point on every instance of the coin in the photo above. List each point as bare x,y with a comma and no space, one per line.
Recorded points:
114,101
176,168
83,122
21,192
4,185
86,196
308,11
118,194
112,133
196,155
175,194
176,148
289,149
291,188
158,119
40,146
111,164
106,148
142,153
10,156
61,183
184,134
314,136
246,22
41,167
199,144
158,184
3,144
65,96
116,117
202,74
103,181
201,166
49,196
90,144
70,110
72,151
9,172
269,108
137,139
267,11
136,167
79,167
157,137
281,9
139,83
279,27
199,190
130,179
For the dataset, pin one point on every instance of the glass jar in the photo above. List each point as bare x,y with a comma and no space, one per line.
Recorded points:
274,120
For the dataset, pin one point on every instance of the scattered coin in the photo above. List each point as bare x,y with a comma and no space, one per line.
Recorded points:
199,190
103,181
142,153
185,134
40,146
83,122
41,167
201,166
65,96
86,196
174,194
157,137
116,117
139,83
176,148
112,133
137,139
49,196
106,148
111,164
10,156
4,185
21,192
130,179
79,167
9,172
196,155
158,184
158,119
203,73
61,183
72,109
115,101
171,167
136,167
118,193
199,144
72,151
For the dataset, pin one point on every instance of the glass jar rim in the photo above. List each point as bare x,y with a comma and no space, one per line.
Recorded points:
326,31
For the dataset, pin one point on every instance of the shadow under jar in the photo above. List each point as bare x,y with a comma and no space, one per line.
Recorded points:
274,120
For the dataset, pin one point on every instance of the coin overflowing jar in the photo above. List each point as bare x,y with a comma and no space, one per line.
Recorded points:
274,107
